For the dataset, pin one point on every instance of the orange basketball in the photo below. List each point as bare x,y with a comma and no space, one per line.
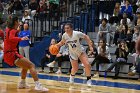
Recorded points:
54,49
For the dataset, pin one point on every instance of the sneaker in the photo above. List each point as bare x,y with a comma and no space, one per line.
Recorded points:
96,76
22,85
131,73
50,65
84,74
39,87
89,82
41,71
71,80
59,72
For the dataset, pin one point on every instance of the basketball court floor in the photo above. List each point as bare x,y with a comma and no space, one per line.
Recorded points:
9,79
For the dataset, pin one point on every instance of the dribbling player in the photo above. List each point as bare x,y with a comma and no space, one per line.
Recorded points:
76,51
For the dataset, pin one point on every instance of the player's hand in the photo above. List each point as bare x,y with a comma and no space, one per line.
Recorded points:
25,38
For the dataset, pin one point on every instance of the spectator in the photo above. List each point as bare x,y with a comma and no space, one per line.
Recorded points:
128,38
48,57
41,8
116,11
127,8
103,32
25,44
125,20
1,7
10,7
18,7
33,7
134,6
122,33
121,57
63,55
102,57
134,39
26,17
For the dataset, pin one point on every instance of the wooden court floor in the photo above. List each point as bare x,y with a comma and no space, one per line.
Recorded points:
9,79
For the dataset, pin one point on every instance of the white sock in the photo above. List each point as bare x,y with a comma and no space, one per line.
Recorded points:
36,82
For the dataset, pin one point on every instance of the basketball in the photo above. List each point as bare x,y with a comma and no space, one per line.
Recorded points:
53,49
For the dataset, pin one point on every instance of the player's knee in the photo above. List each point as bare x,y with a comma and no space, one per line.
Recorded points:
31,66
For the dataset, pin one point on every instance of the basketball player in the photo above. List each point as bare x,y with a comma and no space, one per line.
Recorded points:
12,57
76,51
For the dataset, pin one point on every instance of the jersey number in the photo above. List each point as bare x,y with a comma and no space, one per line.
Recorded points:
73,45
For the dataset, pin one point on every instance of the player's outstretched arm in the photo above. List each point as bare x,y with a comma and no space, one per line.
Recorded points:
86,37
61,43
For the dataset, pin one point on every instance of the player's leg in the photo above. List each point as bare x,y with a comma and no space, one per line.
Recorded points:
25,64
83,58
74,69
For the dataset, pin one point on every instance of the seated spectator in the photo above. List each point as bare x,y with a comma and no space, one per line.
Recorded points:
122,33
116,11
134,6
91,55
121,57
103,32
48,57
134,39
18,7
33,7
127,20
102,57
127,8
24,45
128,38
26,17
63,55
116,35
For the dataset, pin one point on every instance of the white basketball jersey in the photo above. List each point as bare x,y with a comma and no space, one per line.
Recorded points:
73,42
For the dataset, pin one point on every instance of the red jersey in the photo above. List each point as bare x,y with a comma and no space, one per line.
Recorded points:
10,46
2,34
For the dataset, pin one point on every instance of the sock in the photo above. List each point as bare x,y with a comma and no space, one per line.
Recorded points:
36,82
88,77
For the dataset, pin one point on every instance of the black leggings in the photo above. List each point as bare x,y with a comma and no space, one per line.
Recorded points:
43,61
98,60
61,59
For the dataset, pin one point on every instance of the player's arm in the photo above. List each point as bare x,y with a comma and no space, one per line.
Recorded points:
61,43
86,37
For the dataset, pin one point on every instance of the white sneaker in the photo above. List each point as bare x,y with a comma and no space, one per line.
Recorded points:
89,82
84,74
71,80
39,87
96,75
50,65
59,72
22,85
